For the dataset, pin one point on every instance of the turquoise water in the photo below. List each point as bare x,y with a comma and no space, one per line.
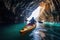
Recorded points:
54,24
11,32
53,30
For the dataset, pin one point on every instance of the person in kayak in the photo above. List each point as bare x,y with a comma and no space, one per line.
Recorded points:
32,21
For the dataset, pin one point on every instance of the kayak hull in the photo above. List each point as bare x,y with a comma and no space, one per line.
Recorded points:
27,29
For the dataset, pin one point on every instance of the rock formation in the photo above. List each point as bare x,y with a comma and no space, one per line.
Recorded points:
51,11
13,10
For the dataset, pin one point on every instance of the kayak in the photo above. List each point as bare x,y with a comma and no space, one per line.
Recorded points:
27,29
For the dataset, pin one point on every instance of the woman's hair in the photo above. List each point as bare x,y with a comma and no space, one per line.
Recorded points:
49,13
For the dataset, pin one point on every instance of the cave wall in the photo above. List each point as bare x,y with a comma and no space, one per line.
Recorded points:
51,12
14,11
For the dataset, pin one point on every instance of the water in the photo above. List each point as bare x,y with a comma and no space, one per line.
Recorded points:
53,31
11,32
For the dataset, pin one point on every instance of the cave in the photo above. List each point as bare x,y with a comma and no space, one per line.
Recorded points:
14,15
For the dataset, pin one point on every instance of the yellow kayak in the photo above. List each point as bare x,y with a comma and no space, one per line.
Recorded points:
27,29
